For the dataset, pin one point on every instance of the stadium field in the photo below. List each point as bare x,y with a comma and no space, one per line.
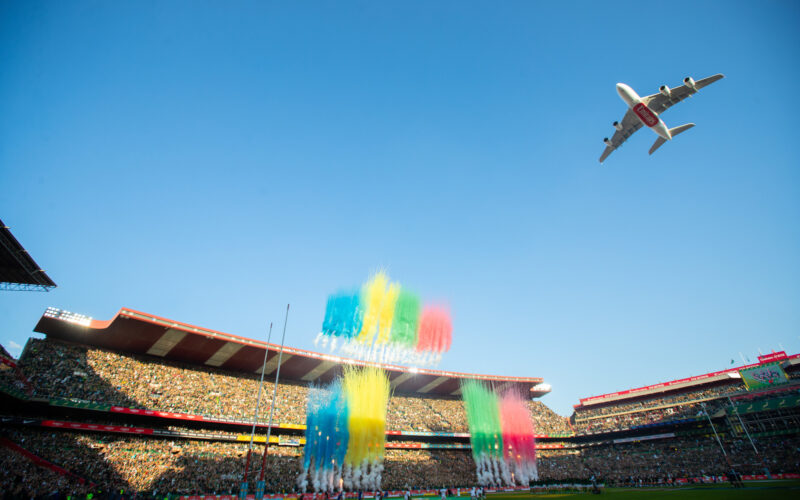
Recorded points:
766,491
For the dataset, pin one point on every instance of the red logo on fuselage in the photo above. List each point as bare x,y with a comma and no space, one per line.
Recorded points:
648,117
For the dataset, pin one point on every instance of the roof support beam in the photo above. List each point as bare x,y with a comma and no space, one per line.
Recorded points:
432,384
502,387
224,353
167,341
272,365
399,380
318,370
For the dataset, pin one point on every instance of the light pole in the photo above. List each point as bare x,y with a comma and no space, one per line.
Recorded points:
736,411
703,404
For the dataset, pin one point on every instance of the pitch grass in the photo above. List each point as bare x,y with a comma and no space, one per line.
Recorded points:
761,490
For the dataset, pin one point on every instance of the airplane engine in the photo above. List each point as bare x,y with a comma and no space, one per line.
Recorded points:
665,91
690,83
617,125
608,142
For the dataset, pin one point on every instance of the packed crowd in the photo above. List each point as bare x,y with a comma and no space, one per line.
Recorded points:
10,379
185,466
659,461
653,410
686,457
547,421
142,464
658,401
21,478
407,413
561,465
157,465
428,469
70,371
7,377
63,370
628,420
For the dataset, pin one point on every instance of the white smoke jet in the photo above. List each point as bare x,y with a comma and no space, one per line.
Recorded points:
495,472
357,476
315,480
302,480
505,473
348,476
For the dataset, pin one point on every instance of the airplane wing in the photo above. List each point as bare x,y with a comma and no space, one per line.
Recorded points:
630,124
660,102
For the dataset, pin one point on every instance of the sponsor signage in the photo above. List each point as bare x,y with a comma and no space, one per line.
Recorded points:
644,438
290,441
644,114
428,433
259,439
321,496
775,356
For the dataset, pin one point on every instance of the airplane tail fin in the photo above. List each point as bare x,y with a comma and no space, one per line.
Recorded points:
672,132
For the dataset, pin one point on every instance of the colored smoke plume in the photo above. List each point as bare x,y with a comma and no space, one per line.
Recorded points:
345,432
385,322
501,434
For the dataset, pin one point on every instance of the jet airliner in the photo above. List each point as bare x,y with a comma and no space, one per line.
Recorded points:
645,111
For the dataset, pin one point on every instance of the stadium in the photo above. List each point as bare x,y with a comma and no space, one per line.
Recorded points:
192,172
151,405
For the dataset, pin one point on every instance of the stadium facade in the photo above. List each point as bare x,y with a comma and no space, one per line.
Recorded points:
146,334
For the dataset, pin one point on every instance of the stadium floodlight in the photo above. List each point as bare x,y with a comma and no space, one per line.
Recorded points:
543,387
70,317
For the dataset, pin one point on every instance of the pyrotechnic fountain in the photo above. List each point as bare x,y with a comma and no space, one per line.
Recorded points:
327,434
346,421
384,322
501,434
345,432
519,445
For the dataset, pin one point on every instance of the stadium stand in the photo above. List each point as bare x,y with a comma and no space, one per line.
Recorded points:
22,477
63,370
661,461
685,399
652,410
83,425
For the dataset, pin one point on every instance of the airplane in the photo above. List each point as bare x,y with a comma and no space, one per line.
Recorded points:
645,111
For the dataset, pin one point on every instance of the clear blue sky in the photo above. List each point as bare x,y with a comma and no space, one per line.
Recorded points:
212,161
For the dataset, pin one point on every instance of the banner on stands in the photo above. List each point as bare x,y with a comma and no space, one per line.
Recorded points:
96,427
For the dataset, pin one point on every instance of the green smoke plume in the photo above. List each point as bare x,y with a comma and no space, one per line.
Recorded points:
483,417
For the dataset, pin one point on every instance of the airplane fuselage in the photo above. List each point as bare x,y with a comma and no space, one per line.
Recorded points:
640,109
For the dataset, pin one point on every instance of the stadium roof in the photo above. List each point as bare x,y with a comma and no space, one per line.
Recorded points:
18,270
140,333
691,382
